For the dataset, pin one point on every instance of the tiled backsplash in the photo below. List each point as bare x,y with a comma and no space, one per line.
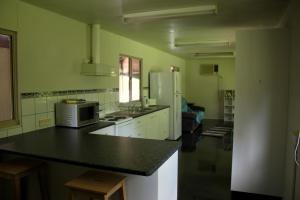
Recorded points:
37,109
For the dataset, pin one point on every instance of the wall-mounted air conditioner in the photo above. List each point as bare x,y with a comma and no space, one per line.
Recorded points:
209,69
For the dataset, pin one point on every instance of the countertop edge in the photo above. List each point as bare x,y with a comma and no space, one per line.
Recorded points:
90,128
115,169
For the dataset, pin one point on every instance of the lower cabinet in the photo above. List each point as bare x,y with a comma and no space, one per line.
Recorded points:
110,130
151,126
163,123
140,127
125,129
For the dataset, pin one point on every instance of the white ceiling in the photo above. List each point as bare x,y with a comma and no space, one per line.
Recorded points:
232,15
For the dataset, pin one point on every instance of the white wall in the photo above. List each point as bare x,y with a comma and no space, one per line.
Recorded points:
52,48
203,90
294,101
261,111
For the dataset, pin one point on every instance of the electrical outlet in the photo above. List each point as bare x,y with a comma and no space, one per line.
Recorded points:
43,123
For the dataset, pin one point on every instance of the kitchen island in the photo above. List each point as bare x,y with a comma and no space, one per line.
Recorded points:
150,165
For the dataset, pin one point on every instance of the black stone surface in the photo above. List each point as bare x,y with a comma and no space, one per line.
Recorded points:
140,114
78,147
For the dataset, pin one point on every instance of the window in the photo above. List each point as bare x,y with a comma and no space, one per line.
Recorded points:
130,79
8,80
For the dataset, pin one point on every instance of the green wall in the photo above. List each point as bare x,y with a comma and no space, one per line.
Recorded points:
8,14
203,89
51,49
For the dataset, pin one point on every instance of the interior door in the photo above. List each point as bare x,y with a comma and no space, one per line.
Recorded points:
259,143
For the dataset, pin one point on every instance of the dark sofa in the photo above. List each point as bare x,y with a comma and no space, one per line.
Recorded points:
189,123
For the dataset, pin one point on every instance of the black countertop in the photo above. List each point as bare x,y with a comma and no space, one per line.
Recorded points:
150,109
77,147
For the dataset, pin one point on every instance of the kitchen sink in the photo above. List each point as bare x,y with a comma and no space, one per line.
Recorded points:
123,113
134,113
147,109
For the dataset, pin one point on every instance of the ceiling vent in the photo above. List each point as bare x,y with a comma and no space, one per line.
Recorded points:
94,67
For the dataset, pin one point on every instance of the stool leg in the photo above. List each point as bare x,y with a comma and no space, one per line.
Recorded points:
123,192
71,195
42,182
17,188
24,187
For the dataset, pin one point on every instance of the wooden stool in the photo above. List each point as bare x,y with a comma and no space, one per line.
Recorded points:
99,185
15,170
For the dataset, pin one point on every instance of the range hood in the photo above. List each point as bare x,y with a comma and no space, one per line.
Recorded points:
94,67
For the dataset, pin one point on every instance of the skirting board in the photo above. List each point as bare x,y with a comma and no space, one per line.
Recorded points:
249,196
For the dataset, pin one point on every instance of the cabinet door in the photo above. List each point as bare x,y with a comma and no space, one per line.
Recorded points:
163,126
110,130
140,127
125,129
152,126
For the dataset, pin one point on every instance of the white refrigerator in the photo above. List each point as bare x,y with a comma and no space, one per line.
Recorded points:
166,89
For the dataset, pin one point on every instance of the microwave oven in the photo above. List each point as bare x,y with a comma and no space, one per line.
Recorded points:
76,114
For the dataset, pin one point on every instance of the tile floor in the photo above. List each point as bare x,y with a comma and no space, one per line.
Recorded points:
204,174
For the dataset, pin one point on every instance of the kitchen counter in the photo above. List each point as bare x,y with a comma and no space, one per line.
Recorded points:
78,147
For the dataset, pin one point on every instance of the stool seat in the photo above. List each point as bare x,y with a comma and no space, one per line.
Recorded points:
95,184
18,167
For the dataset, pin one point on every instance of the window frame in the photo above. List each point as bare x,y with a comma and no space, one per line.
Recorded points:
130,78
14,84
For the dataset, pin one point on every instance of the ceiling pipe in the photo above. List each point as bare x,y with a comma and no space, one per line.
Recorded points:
94,67
95,43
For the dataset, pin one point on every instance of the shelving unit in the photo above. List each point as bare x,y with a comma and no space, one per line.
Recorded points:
229,97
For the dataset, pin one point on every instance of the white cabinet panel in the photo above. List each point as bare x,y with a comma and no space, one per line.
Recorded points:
158,125
151,126
110,130
125,129
163,124
140,127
